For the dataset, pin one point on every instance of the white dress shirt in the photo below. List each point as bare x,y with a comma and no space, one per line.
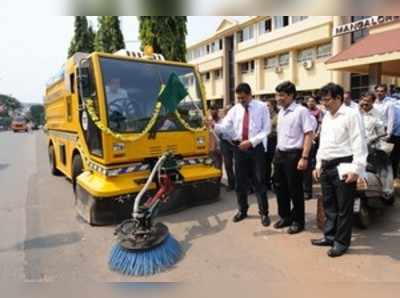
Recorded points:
373,124
259,123
343,134
353,105
384,108
113,95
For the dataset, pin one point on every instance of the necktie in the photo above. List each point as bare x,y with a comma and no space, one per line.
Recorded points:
245,129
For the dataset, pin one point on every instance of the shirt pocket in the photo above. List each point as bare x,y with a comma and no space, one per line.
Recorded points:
340,133
293,129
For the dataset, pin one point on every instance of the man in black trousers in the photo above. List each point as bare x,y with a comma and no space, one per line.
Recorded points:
295,133
249,123
341,159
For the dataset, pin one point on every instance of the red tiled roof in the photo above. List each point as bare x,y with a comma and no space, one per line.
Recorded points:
373,44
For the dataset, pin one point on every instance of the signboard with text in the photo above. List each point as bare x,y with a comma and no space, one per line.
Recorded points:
363,24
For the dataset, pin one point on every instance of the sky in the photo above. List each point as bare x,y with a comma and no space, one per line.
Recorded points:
32,50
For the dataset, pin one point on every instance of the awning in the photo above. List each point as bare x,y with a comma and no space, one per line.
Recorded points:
383,47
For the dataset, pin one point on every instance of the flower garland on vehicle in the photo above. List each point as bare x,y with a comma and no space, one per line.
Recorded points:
126,138
169,96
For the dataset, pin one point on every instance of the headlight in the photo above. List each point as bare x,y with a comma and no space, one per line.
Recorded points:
200,140
118,147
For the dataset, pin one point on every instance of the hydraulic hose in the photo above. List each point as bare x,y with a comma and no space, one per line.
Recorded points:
157,167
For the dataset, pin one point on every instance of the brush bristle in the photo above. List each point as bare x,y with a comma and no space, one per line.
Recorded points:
145,262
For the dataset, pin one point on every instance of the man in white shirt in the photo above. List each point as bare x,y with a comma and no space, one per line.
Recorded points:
341,159
348,101
372,121
114,90
383,103
248,122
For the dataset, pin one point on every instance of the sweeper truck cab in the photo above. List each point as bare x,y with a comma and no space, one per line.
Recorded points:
109,118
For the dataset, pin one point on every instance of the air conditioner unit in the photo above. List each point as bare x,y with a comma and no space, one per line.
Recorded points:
279,69
308,64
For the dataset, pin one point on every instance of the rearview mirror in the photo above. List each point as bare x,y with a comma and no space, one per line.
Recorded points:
84,82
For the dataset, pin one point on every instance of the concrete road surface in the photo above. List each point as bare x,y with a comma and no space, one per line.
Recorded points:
43,240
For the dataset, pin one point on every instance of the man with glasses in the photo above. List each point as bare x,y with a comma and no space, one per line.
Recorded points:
341,159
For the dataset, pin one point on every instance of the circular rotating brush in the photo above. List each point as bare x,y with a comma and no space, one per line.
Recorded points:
144,248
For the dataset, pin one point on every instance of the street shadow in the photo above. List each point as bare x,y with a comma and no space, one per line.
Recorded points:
382,238
4,166
208,219
50,241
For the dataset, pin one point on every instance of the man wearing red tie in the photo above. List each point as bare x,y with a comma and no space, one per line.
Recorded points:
249,124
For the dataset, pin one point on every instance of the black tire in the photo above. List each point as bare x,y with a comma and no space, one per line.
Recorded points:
52,161
77,169
363,217
390,201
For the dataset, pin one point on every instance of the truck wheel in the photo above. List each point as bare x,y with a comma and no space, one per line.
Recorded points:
77,169
52,161
390,201
363,217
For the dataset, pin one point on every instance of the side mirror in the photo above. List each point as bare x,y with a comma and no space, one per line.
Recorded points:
84,82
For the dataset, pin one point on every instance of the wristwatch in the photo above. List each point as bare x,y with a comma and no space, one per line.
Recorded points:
304,157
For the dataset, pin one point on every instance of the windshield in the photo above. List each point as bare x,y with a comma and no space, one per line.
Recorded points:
132,89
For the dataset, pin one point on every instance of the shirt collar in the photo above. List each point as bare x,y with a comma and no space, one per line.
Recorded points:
340,111
290,108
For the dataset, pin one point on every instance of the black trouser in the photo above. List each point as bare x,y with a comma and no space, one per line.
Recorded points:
289,185
307,178
338,201
246,161
395,155
227,155
269,156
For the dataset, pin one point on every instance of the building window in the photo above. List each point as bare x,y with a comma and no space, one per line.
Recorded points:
246,34
189,55
265,26
281,21
221,43
270,62
357,35
284,59
206,76
296,19
306,54
218,74
247,67
324,50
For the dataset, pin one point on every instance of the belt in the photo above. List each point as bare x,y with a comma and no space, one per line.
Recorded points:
294,150
237,143
328,164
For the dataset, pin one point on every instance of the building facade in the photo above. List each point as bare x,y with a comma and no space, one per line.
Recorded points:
266,50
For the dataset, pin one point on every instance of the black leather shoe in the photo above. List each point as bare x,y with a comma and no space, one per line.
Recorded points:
336,251
239,216
265,221
282,223
321,242
295,229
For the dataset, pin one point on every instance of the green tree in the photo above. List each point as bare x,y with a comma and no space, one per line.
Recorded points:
167,35
83,40
37,113
10,103
109,38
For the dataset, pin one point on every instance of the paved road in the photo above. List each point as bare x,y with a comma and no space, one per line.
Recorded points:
43,240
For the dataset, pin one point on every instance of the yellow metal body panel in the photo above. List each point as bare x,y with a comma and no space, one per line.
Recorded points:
102,187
